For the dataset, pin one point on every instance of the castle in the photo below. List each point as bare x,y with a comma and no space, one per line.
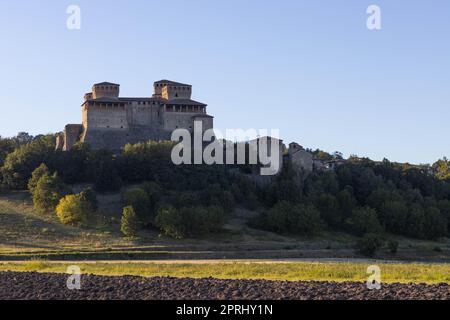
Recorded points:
110,121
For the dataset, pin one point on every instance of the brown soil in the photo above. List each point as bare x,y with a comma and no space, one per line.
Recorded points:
31,285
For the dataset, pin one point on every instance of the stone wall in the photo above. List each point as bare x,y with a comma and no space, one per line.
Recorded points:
71,135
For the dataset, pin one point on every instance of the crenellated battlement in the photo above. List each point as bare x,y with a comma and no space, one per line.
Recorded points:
111,121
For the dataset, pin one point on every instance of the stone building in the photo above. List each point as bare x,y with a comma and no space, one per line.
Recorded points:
300,159
110,121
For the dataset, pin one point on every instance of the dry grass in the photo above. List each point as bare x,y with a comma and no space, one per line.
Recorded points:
290,271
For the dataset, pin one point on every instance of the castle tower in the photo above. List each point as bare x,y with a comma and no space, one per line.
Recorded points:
170,90
105,90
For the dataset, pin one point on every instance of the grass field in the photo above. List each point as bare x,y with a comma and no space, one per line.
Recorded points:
290,271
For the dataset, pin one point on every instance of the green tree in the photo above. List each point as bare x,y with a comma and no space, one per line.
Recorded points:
189,221
49,190
130,223
140,201
74,209
435,224
20,163
442,169
364,220
393,215
301,219
90,197
170,221
37,174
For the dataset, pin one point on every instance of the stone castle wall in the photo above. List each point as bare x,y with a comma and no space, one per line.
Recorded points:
109,121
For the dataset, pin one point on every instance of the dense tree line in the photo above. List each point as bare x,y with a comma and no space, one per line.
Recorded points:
361,197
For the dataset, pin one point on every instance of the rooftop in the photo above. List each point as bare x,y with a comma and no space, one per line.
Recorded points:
106,84
186,102
171,83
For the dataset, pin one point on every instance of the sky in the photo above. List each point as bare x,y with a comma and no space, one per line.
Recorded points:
311,69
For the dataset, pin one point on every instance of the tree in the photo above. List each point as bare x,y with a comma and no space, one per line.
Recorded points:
19,164
130,223
74,209
393,215
6,147
301,219
37,174
49,190
329,209
170,221
364,220
189,221
140,201
442,169
435,224
103,172
90,197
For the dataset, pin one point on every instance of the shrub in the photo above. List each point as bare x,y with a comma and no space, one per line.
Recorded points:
189,221
130,223
170,221
139,200
216,196
74,209
202,220
369,244
364,220
392,246
154,192
90,196
49,190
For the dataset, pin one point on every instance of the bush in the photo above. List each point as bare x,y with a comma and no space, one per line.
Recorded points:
369,244
217,196
139,200
202,220
74,209
300,219
189,221
392,246
90,196
364,220
170,221
130,223
49,190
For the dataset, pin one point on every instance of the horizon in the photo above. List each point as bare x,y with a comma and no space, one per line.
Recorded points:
319,75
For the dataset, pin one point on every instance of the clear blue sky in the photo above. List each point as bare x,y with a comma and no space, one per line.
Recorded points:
310,68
